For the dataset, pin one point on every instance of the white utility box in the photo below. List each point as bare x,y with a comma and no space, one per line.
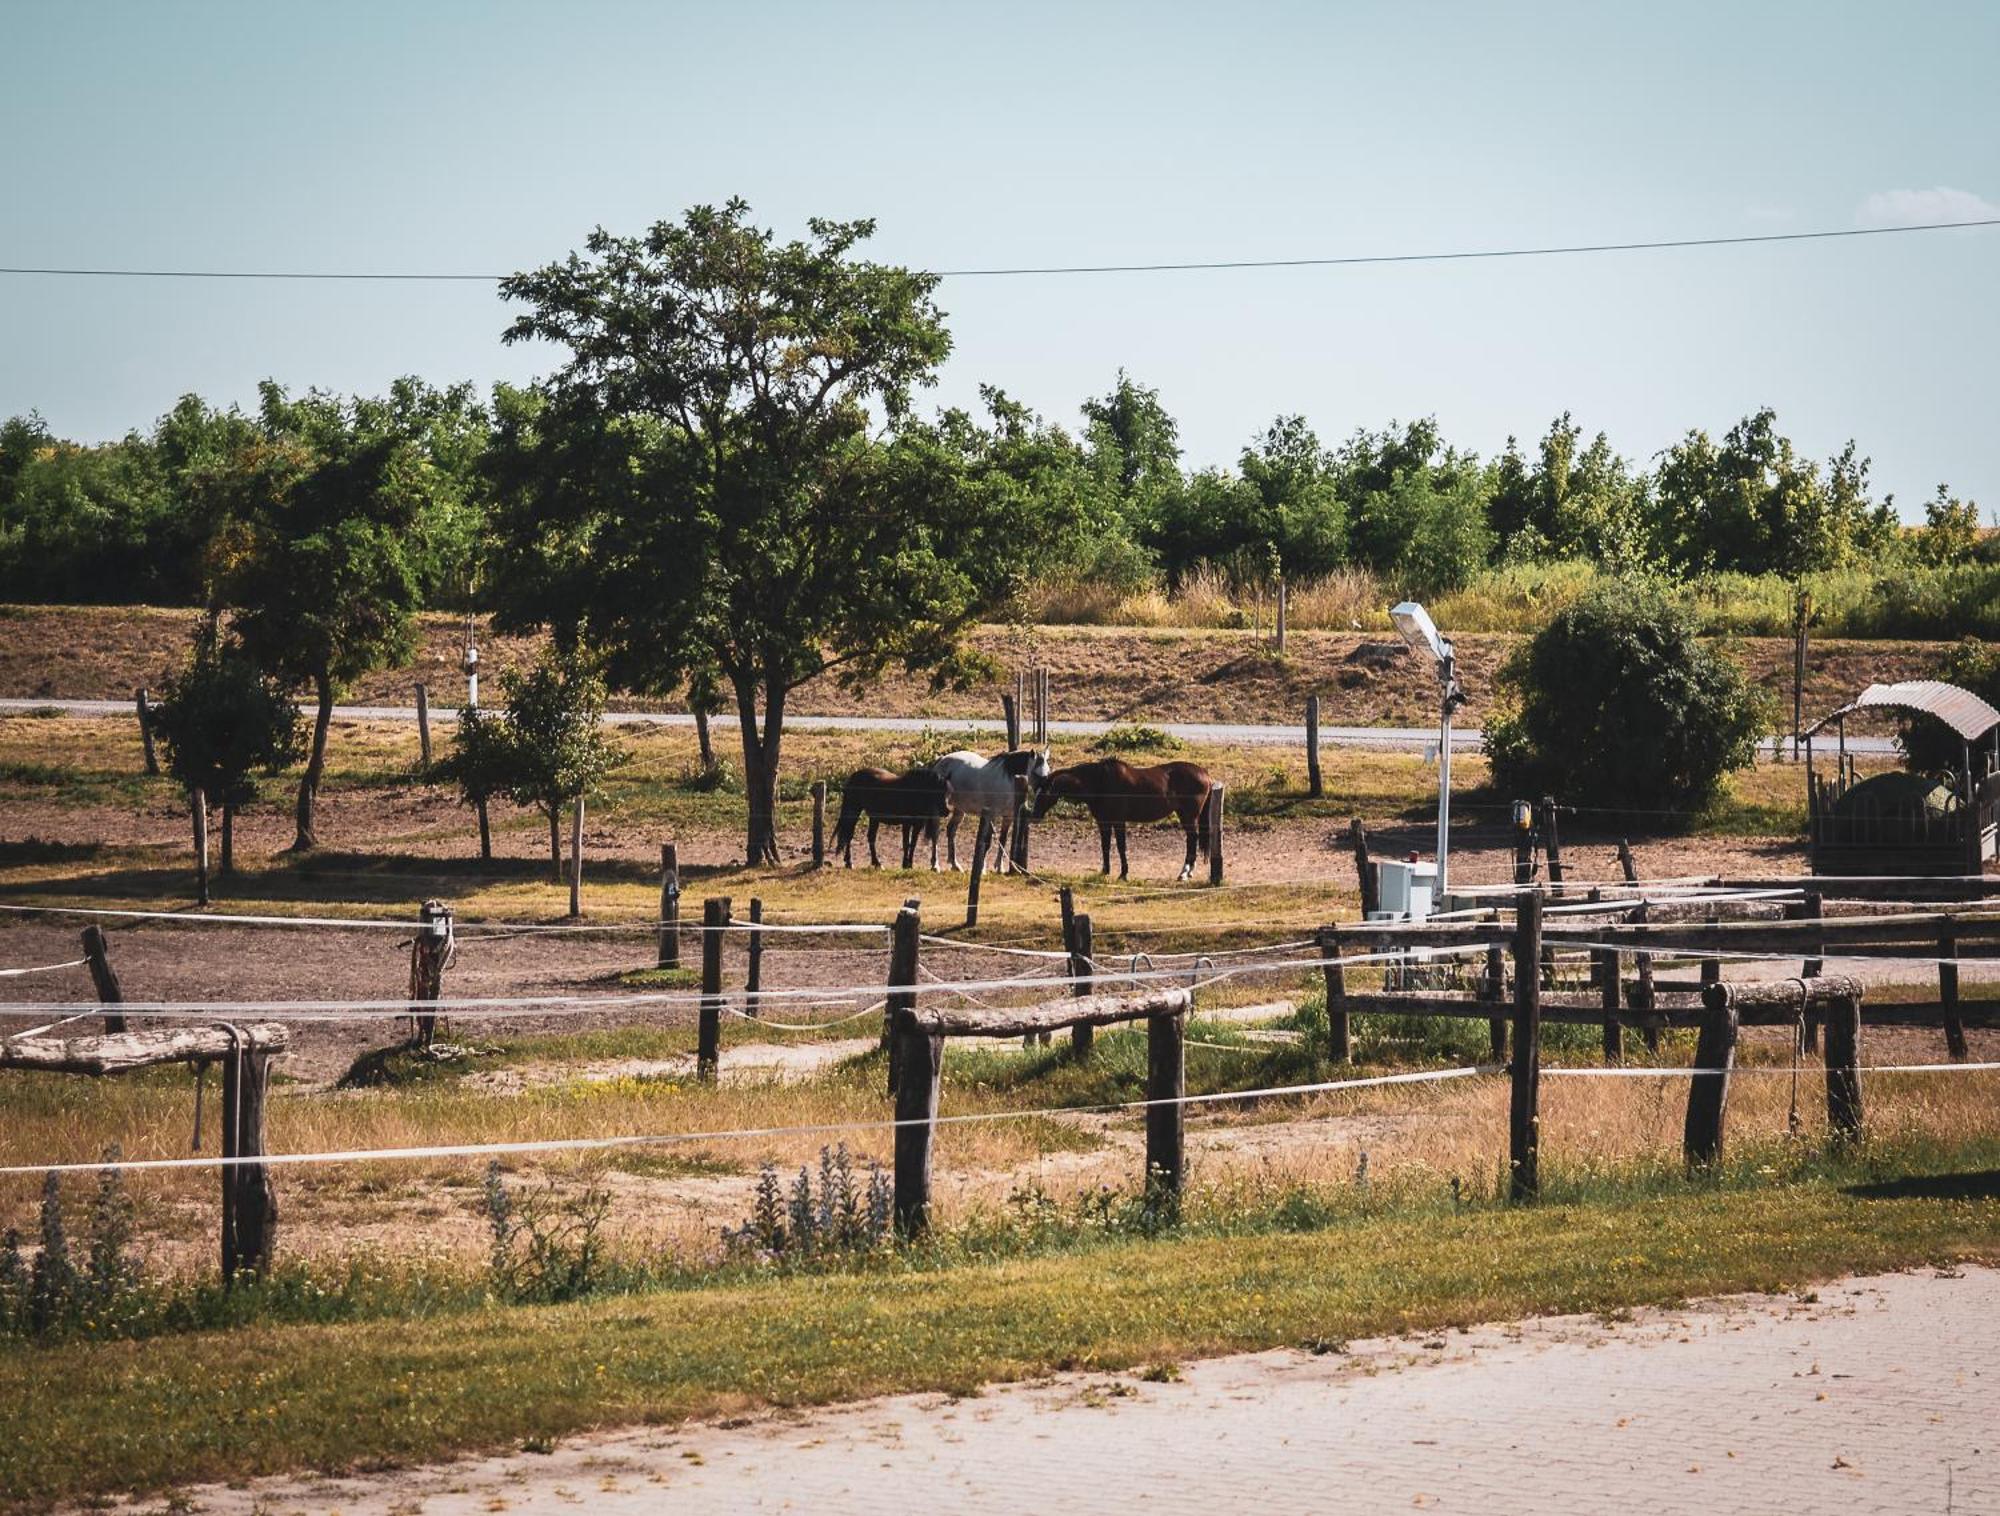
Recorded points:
1404,890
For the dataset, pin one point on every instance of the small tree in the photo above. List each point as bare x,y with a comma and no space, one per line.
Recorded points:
224,722
481,762
1618,703
555,747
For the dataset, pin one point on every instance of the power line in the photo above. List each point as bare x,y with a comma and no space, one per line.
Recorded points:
1215,265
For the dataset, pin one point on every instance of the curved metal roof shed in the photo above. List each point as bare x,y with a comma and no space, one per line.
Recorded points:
1912,839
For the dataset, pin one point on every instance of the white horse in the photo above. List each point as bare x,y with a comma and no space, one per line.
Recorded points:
986,788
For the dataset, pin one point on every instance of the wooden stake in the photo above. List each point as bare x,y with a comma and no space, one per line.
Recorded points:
1281,613
576,859
1614,1034
708,1036
109,992
1627,864
984,841
670,906
1642,964
423,729
904,942
1496,991
916,1062
427,955
1954,1028
1339,1032
1082,1036
819,823
198,807
1708,1094
1314,787
1018,827
1524,1120
753,979
1215,833
1552,843
1166,1123
249,1207
1843,1069
1010,710
146,730
1357,834
1812,968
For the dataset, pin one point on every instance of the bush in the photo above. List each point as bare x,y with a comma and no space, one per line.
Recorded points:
1618,704
1128,738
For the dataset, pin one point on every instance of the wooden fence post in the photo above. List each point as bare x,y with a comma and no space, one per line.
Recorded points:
576,859
427,954
1315,787
1642,964
1627,864
198,808
1812,968
1708,1094
916,1063
1215,833
1010,711
1082,1037
1496,990
1166,1122
1607,983
1524,1120
1954,1028
904,942
979,847
670,906
708,1044
145,704
423,729
1552,843
1042,706
109,991
753,978
249,1205
1339,1031
1357,834
1281,614
819,823
1843,1069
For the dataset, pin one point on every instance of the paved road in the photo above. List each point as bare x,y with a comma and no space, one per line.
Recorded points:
1874,1395
1221,734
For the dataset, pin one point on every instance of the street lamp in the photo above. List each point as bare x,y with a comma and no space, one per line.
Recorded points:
1415,623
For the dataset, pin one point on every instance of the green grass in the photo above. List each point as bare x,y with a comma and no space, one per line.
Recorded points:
79,1420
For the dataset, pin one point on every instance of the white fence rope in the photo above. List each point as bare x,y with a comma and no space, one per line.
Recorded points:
44,968
1765,1068
600,1144
362,922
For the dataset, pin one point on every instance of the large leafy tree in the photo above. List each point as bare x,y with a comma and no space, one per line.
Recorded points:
724,476
555,748
323,555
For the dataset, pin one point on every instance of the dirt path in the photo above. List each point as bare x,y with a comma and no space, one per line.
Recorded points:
1873,1394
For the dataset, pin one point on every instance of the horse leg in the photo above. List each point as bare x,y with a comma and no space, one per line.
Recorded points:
874,857
1124,867
951,840
1193,831
931,829
1104,842
1000,835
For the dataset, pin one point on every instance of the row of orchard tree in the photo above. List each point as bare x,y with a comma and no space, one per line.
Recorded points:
726,487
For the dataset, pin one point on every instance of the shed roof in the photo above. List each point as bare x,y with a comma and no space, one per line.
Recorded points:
1961,710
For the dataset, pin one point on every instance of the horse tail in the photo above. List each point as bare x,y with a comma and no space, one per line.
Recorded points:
1201,817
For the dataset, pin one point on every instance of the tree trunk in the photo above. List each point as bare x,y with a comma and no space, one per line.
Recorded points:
760,768
485,831
308,837
701,734
555,839
228,838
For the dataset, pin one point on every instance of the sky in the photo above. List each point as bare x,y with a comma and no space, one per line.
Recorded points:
491,137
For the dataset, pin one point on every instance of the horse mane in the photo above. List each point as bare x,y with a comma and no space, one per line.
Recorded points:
1016,762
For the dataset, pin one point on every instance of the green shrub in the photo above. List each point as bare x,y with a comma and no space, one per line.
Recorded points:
1618,704
1129,738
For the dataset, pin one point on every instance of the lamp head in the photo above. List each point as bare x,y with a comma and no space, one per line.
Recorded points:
1415,623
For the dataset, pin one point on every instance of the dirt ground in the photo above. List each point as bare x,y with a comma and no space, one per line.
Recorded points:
1096,673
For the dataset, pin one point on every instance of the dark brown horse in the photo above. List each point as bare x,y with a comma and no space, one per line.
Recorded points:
1118,793
914,801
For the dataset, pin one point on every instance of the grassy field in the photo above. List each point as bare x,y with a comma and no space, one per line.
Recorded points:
80,1420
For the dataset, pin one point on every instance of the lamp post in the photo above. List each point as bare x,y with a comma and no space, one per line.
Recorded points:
1421,633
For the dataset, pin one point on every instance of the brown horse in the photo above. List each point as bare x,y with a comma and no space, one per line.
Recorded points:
914,801
1118,793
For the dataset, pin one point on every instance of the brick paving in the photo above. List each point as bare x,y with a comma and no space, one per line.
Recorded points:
1872,1395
